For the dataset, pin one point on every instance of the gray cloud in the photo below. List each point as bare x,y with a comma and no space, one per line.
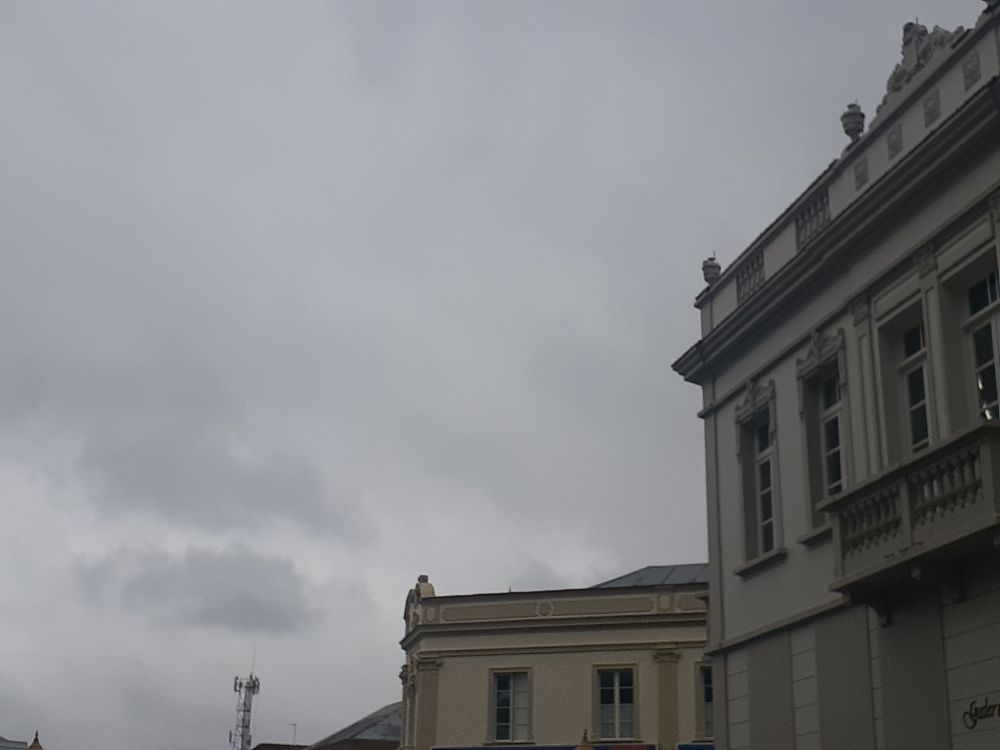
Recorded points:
235,589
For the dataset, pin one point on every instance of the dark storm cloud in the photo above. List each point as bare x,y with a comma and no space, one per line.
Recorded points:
235,588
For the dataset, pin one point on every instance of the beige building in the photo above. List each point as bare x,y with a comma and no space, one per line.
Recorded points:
621,661
848,364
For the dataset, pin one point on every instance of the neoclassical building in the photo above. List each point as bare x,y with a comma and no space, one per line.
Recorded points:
848,365
621,661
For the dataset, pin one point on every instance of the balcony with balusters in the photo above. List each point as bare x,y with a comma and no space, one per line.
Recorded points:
927,513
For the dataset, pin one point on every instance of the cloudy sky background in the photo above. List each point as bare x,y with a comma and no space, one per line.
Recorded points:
301,299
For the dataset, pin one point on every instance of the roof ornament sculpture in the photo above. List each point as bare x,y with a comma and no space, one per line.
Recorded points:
711,270
919,47
853,121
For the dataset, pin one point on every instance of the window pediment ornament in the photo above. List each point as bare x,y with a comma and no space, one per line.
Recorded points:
822,348
925,261
757,397
860,309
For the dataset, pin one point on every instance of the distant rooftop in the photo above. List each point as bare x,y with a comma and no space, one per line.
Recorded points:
660,575
383,724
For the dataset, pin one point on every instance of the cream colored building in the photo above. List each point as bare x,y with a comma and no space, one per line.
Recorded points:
848,364
622,661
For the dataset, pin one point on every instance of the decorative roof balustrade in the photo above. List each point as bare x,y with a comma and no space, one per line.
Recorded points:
750,276
812,217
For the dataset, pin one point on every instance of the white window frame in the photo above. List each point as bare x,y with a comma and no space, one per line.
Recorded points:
986,316
617,720
519,686
757,410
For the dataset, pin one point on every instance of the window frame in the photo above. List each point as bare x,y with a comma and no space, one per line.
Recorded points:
824,359
758,409
977,320
493,724
704,709
598,723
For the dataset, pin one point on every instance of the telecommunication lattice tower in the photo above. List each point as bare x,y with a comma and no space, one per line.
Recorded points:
245,688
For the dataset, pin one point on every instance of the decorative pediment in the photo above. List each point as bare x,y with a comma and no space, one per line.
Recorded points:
756,397
822,349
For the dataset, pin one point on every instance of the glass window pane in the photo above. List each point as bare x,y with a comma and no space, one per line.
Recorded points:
627,729
763,436
764,475
607,696
766,511
607,679
918,425
831,432
503,682
979,296
625,696
503,731
913,340
987,382
768,538
833,468
831,392
625,678
982,345
915,386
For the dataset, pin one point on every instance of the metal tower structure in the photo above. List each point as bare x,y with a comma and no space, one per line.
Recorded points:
245,688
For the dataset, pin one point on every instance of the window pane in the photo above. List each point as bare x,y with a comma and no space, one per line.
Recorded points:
503,731
831,392
768,538
987,382
763,436
607,696
607,679
982,345
766,511
833,471
625,697
503,682
915,385
979,295
832,433
764,475
625,678
913,340
918,425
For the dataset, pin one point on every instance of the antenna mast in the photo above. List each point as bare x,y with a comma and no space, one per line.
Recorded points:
245,688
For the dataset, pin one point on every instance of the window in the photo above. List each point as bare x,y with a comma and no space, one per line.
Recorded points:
706,701
914,378
758,464
982,296
763,488
821,404
616,703
510,707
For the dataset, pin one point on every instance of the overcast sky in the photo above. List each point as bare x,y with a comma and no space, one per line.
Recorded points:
299,300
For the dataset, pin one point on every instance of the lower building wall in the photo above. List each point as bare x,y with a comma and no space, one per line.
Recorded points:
927,680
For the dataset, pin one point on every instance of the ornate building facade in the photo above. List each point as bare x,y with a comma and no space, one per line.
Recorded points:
848,364
620,662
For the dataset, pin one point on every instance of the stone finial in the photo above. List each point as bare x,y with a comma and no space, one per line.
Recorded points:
853,122
711,270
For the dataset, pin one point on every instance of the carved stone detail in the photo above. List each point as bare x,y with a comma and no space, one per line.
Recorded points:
756,397
919,46
860,309
925,261
861,172
972,70
822,348
932,107
895,140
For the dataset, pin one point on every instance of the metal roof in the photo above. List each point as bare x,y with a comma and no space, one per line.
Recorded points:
660,575
383,724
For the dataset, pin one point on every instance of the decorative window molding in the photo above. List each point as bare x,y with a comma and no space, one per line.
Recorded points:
925,260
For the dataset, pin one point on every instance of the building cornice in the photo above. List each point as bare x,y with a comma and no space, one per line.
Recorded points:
975,122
